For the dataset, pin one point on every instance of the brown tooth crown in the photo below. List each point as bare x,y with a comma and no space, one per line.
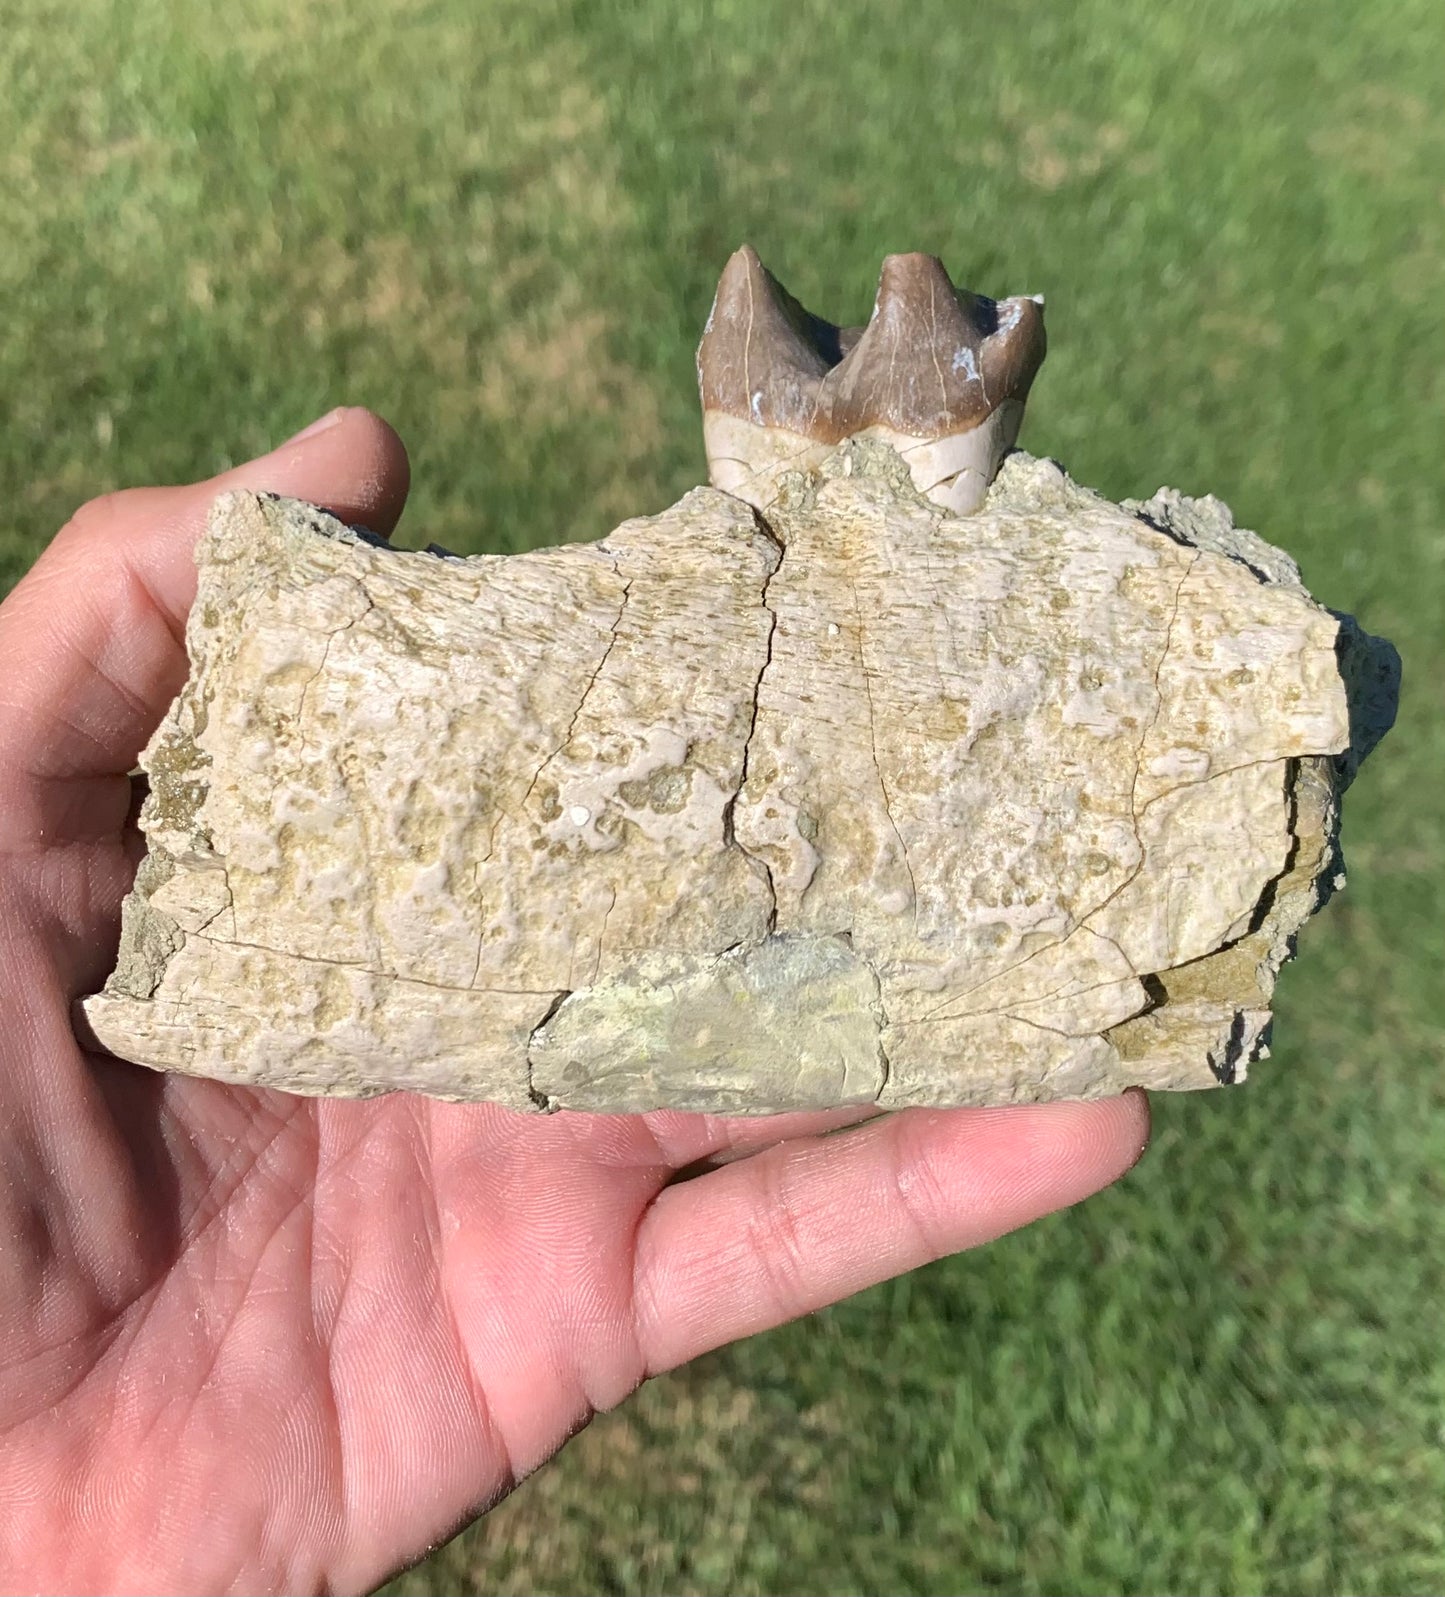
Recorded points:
1013,353
932,361
763,356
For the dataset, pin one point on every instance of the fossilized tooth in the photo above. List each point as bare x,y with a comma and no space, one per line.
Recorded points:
939,373
760,368
762,354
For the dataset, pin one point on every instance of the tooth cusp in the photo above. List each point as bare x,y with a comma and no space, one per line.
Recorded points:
939,373
762,355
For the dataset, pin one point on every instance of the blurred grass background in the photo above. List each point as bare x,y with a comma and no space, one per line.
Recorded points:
500,224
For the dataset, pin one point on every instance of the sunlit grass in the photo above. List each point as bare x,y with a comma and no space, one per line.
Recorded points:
500,225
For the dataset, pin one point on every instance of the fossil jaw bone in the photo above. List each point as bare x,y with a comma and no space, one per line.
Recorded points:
939,373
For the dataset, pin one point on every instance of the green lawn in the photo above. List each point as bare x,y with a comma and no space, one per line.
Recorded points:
500,223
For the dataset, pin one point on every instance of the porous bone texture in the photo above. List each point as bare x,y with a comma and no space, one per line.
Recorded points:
864,803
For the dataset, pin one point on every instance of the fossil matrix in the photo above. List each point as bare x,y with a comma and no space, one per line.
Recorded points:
894,768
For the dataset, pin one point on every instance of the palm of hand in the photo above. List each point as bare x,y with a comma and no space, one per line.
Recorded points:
260,1342
283,1343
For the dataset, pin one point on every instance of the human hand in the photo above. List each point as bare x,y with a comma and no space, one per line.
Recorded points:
263,1343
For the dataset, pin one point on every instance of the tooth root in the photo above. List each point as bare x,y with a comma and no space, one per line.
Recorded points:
762,355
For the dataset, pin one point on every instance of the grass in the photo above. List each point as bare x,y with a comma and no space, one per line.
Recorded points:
500,225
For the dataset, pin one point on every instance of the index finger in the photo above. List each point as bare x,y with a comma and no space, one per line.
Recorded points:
806,1223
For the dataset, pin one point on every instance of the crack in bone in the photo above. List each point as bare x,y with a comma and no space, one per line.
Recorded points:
729,833
591,683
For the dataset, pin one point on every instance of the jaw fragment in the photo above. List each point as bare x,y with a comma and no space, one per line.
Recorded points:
939,374
824,798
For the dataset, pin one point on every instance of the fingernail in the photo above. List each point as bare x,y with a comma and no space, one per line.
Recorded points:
320,425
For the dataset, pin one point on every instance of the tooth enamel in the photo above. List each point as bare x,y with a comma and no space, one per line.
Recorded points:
939,373
761,358
1013,353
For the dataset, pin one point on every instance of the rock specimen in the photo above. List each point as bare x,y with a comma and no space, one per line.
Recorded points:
850,800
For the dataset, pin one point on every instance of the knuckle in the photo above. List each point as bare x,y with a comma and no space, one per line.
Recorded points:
922,1201
779,1246
96,514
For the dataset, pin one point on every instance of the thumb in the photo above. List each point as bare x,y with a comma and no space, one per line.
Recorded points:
92,646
